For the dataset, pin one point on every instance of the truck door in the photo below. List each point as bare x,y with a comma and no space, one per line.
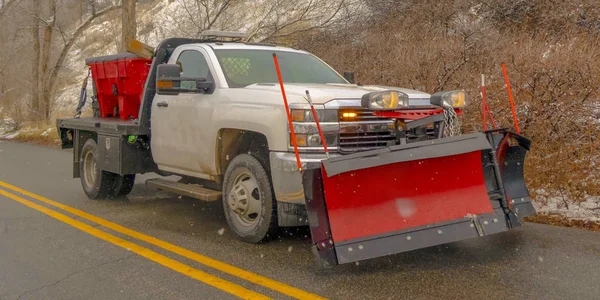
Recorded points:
181,123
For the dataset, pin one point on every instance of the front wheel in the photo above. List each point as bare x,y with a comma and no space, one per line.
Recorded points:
248,200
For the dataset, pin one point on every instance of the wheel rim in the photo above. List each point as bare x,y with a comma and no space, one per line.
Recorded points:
244,199
89,168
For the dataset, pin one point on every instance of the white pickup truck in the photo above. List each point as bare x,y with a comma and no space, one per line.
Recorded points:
212,112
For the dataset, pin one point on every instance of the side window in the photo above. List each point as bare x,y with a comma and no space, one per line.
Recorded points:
193,65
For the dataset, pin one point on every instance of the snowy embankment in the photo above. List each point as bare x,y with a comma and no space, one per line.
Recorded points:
8,129
588,210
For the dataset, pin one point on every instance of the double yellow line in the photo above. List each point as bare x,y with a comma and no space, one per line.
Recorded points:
204,277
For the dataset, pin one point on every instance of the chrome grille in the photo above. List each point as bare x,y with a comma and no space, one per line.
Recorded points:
365,141
366,132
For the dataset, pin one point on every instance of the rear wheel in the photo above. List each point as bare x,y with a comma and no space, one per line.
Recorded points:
248,200
123,185
97,184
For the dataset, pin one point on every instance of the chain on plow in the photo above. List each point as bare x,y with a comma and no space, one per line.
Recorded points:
451,122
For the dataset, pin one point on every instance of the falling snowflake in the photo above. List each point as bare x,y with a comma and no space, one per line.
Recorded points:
221,231
290,248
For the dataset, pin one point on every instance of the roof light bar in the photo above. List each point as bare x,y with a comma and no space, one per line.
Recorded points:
223,34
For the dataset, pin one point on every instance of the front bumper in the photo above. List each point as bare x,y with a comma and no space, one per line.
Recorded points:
287,181
288,187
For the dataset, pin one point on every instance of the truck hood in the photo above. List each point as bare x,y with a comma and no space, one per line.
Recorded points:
323,93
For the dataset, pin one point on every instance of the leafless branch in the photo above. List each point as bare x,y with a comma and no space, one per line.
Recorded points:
218,14
6,7
190,14
323,24
65,50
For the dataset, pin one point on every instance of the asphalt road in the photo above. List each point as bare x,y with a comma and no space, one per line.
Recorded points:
42,257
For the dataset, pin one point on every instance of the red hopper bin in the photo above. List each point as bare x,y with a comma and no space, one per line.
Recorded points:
119,83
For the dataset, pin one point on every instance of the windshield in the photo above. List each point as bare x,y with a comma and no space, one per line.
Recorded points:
245,67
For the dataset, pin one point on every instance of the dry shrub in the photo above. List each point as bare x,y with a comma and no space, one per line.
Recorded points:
38,133
552,62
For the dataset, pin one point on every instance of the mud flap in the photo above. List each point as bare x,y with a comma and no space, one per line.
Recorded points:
402,198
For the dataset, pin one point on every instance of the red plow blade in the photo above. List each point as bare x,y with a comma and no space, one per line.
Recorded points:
407,197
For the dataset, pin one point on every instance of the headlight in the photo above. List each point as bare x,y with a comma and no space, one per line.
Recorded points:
305,115
314,140
456,99
386,100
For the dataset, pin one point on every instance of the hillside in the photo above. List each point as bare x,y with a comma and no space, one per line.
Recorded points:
550,49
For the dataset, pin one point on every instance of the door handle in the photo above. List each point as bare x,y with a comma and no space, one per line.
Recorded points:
162,104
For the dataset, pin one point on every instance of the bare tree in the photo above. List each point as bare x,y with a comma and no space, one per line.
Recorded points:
35,66
50,55
288,18
128,23
49,26
263,20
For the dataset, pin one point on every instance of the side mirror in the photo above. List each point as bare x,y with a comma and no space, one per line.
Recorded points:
170,82
350,77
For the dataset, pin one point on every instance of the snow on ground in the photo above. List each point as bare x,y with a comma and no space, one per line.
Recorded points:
588,210
8,129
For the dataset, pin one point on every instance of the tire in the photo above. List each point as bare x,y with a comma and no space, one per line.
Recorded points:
123,185
97,184
248,201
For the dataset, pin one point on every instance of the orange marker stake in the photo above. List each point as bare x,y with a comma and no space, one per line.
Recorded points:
512,102
287,111
483,103
485,108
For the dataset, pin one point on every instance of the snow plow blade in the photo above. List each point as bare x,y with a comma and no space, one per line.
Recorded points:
416,195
